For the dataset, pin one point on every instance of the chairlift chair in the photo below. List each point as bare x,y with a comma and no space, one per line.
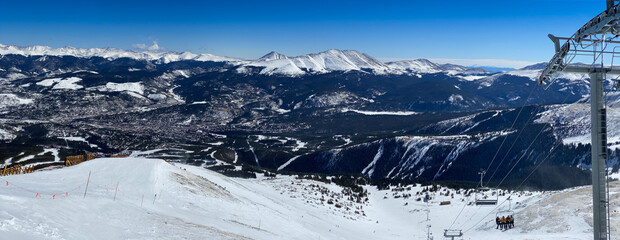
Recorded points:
452,234
486,196
504,213
481,195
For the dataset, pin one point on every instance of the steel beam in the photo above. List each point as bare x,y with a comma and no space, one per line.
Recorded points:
589,70
599,154
583,40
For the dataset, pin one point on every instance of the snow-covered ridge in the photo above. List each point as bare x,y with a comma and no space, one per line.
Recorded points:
351,60
110,53
272,63
426,66
323,62
417,65
532,72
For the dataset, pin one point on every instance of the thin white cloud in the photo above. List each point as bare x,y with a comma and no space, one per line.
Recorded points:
139,46
142,46
155,46
506,63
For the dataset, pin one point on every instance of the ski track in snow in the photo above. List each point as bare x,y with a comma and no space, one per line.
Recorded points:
46,150
479,122
399,113
370,169
253,153
288,162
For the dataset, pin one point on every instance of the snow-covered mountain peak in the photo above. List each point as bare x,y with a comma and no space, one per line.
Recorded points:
416,65
272,63
273,55
347,57
426,66
537,66
323,62
450,66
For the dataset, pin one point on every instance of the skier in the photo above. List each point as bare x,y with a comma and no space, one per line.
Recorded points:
508,219
497,222
503,223
512,221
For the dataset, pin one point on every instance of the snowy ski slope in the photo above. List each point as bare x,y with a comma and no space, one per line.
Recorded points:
194,203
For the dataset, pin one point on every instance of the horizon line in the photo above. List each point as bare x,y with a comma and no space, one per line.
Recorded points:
501,63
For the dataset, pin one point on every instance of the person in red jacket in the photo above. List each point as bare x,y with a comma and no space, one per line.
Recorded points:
508,219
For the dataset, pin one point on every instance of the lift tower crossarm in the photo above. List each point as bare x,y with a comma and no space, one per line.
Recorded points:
605,22
588,70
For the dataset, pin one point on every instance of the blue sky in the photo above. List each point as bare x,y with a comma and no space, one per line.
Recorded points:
513,30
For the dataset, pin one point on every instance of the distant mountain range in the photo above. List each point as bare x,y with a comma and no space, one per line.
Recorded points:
272,63
492,69
333,112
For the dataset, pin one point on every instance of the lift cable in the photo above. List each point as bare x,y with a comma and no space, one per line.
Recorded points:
514,142
522,182
463,208
500,147
542,129
511,126
546,157
538,106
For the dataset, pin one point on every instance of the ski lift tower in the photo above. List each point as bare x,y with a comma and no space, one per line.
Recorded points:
480,195
595,41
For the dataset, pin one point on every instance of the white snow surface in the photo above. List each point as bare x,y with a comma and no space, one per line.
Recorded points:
288,162
5,135
61,83
46,150
48,82
571,122
397,113
472,77
68,83
157,200
79,139
10,99
273,56
135,87
454,98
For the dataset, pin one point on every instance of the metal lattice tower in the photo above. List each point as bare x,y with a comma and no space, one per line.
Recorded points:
592,40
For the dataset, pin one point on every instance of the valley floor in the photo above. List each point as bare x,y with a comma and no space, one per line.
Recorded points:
156,199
